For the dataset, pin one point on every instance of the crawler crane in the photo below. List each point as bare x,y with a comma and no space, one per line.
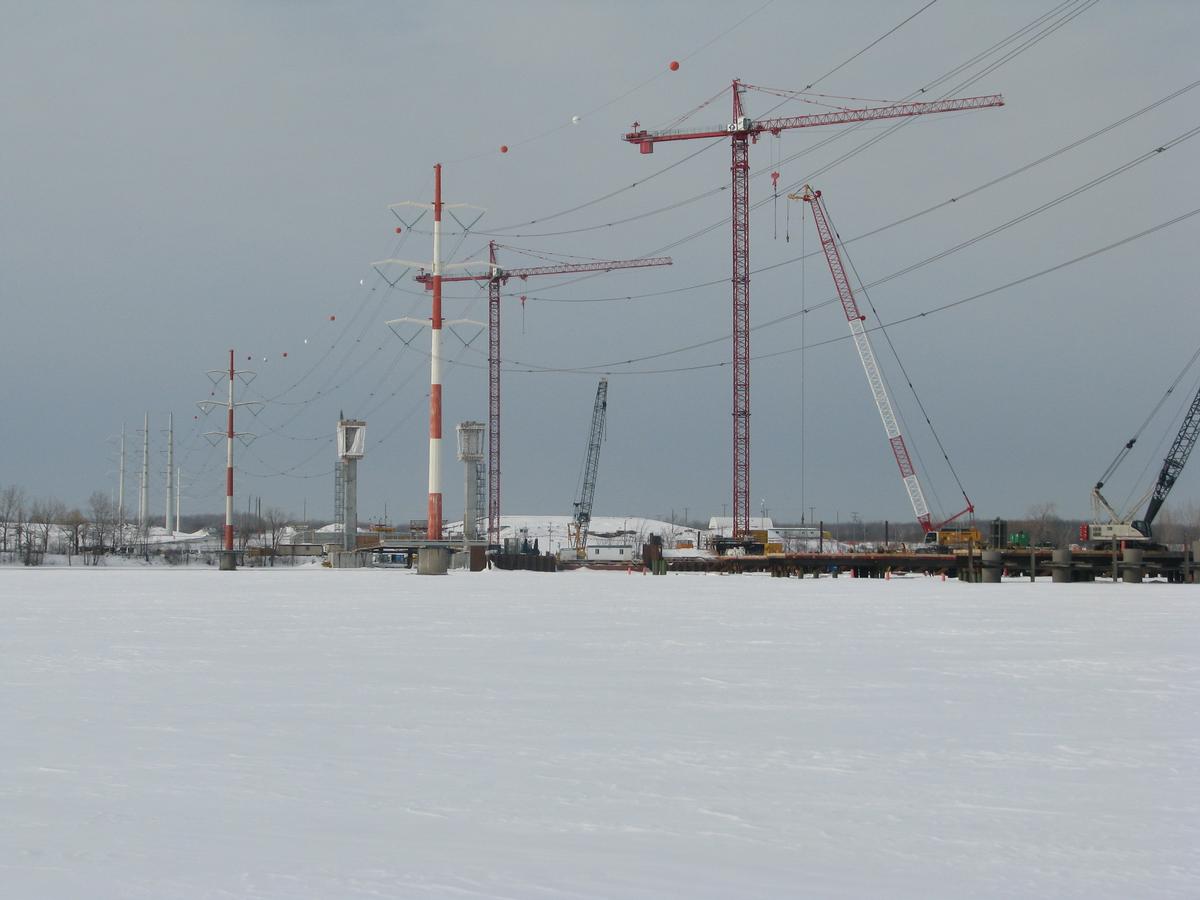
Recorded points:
866,354
587,494
1124,527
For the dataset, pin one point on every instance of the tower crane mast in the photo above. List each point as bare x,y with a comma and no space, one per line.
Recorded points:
743,130
496,278
587,494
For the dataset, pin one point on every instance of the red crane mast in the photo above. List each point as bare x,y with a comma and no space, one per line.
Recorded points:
742,130
496,278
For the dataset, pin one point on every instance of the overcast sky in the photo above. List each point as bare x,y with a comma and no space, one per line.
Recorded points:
184,178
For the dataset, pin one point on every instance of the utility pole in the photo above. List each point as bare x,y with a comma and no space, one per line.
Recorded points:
121,482
167,521
228,561
178,493
144,493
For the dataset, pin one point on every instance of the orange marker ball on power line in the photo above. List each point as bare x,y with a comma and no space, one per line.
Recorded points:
504,148
674,67
331,318
398,229
285,354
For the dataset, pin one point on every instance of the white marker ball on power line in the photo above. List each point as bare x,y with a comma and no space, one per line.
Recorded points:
361,281
574,120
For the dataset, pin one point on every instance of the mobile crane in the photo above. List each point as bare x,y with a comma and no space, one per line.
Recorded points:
1124,527
934,534
583,506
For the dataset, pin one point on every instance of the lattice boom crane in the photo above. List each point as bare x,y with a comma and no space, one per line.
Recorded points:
587,494
742,130
866,354
496,278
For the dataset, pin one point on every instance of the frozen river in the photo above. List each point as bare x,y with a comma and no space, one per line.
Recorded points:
351,734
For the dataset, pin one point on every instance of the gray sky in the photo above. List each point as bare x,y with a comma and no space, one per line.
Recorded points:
180,179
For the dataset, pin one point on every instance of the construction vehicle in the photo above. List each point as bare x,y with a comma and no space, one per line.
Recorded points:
954,539
578,528
1123,526
876,382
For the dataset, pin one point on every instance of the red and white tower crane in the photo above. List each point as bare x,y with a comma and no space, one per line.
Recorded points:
862,342
496,278
742,130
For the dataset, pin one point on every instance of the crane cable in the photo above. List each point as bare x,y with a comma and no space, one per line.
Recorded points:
1124,451
907,378
1020,170
496,230
1169,430
962,301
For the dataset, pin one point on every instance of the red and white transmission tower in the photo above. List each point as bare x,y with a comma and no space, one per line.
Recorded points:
207,406
496,278
742,130
866,355
434,522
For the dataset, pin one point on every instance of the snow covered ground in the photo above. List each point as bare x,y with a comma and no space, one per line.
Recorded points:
185,733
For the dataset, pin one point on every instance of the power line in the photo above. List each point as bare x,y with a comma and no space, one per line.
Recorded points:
598,370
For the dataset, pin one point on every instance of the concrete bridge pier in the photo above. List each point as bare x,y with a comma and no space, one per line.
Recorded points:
1132,565
993,566
433,560
1060,566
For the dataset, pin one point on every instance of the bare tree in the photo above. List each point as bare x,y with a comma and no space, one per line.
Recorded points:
274,520
44,515
73,523
103,520
12,505
245,527
1043,524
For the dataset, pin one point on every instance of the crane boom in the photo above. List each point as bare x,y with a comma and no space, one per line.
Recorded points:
866,354
1177,457
1124,527
587,494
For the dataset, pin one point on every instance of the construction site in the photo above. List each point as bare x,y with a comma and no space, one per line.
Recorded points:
902,410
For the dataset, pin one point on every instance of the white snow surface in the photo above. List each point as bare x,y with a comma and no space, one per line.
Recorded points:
313,733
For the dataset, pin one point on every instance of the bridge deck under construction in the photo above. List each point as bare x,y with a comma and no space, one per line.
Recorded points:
1085,565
